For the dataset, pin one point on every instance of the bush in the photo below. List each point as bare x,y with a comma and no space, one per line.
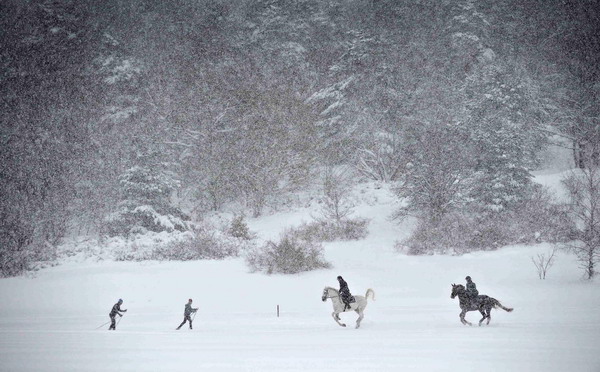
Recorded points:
429,238
325,231
534,220
291,255
198,244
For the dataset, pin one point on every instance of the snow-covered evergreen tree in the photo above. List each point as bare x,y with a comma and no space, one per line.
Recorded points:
499,108
146,204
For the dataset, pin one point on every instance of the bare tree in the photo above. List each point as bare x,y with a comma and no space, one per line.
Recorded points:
337,204
543,262
583,207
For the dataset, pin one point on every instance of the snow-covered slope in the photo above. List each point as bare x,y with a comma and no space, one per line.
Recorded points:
47,322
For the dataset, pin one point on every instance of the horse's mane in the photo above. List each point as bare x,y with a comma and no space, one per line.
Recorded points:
459,286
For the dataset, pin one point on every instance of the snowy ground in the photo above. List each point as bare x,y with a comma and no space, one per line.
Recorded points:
47,322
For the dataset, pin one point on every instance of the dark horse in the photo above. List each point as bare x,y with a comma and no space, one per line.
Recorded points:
483,303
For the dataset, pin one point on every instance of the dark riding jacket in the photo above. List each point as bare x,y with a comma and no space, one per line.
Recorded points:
472,291
345,291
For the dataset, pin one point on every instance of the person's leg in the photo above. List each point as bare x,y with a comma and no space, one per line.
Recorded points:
182,323
346,300
113,325
189,318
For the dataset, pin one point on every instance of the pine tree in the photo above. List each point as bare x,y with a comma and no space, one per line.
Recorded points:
146,204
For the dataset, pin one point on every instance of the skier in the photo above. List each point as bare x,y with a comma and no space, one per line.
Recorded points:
116,310
344,293
472,291
186,313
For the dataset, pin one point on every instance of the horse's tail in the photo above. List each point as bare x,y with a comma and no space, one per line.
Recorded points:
497,304
372,292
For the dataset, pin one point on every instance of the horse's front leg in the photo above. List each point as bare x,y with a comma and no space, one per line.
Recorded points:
462,318
335,317
361,315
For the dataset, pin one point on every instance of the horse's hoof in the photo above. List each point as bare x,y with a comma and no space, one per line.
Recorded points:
343,325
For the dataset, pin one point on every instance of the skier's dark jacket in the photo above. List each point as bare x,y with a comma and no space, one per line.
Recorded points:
116,309
188,309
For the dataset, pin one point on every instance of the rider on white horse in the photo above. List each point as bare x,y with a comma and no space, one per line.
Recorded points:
344,292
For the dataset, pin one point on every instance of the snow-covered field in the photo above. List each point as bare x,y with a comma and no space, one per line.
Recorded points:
48,322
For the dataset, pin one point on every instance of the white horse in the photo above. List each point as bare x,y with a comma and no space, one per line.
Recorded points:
339,306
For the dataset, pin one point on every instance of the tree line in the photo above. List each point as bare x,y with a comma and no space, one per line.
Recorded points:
109,107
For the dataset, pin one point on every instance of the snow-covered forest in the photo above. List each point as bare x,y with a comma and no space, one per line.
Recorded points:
126,117
265,147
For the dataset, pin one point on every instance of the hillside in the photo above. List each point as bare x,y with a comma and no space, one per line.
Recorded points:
48,321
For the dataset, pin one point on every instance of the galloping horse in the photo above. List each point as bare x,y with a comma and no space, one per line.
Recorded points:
338,306
484,304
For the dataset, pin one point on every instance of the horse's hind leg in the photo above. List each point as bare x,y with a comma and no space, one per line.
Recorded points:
489,315
484,316
335,317
360,318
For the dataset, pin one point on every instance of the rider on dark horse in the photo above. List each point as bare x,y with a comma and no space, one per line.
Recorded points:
471,290
344,293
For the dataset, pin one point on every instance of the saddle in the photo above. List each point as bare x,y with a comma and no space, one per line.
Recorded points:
347,301
478,301
350,299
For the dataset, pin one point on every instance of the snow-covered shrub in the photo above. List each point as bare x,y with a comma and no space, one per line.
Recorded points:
539,218
534,220
198,244
429,238
290,255
325,231
354,229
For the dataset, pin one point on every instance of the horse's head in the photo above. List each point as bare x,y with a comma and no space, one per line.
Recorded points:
329,292
456,290
325,294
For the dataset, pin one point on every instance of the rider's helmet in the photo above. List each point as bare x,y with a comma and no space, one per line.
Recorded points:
468,278
120,300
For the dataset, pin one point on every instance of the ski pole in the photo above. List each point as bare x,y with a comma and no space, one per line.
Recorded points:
103,325
194,316
119,321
